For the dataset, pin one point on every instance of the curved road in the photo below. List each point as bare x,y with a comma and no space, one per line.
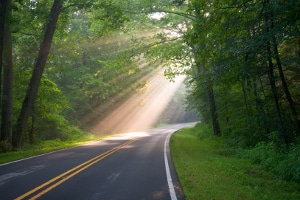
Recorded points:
131,166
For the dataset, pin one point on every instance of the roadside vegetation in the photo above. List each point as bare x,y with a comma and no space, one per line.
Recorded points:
209,169
47,146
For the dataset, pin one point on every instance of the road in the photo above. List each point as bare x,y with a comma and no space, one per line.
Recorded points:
131,166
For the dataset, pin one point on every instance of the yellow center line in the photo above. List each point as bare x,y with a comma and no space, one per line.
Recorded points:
70,173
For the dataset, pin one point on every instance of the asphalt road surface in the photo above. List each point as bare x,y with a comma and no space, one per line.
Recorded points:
132,166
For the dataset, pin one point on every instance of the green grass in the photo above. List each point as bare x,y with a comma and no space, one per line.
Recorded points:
207,170
46,147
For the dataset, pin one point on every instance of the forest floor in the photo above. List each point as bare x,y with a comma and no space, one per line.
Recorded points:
208,170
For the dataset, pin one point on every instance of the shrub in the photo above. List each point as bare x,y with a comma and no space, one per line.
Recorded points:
204,130
282,161
5,146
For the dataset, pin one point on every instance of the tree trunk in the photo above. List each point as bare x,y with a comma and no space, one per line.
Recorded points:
280,125
281,74
31,131
6,125
213,109
37,73
284,84
201,69
211,101
2,20
268,30
260,108
297,53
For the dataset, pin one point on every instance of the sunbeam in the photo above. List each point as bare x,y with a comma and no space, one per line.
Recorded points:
142,110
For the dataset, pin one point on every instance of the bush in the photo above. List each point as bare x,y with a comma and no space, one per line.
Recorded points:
5,146
282,161
289,167
204,130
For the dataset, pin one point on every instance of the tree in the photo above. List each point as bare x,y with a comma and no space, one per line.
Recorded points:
37,74
2,21
108,12
7,63
239,48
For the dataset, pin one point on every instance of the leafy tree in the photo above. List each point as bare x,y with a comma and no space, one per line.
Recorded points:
238,46
35,14
37,74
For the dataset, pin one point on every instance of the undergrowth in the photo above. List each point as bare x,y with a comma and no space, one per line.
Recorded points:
282,161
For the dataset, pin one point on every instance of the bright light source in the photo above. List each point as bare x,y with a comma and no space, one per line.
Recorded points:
157,15
142,110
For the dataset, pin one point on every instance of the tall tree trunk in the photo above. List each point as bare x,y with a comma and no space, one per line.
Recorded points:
31,131
37,73
3,4
211,101
6,120
280,125
284,84
2,20
213,109
281,74
268,31
201,69
297,52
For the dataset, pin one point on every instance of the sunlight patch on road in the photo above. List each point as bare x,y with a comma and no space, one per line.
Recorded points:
128,136
142,110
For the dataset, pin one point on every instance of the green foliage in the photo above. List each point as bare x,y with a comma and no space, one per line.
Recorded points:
172,52
207,170
77,138
203,130
229,43
5,146
78,77
276,158
108,16
47,121
95,77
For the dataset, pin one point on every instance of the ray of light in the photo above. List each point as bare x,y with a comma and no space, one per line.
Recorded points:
140,111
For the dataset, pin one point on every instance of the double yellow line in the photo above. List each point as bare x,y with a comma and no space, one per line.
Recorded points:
49,185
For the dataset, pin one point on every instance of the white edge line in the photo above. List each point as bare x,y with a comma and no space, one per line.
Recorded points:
22,159
169,178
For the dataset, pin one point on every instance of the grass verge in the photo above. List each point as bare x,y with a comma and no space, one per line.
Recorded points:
46,147
207,170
